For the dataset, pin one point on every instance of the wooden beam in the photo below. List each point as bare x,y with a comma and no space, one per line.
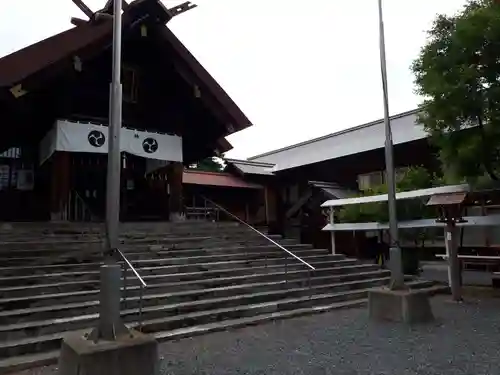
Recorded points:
84,8
179,9
299,203
78,21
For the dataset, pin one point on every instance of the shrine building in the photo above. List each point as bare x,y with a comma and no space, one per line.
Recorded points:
54,101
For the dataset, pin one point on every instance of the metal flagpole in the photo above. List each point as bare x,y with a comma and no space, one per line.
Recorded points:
110,325
397,276
115,123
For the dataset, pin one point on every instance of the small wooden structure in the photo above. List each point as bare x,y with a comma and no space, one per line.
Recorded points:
415,194
450,202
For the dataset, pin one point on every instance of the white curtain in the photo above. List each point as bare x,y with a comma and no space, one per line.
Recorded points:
79,137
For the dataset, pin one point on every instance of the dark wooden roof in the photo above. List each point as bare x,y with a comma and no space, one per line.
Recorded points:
221,179
20,65
42,57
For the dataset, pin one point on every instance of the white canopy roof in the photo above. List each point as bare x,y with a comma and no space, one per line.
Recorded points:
480,221
399,196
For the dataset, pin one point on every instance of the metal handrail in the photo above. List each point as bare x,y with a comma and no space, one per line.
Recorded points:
132,268
142,285
260,233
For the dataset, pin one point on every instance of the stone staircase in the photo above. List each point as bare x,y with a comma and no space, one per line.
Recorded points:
201,277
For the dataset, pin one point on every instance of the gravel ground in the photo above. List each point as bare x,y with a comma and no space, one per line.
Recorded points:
464,340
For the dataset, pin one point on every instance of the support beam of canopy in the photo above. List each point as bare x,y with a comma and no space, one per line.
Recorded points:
470,221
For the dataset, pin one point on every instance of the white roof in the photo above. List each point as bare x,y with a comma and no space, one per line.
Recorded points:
362,138
422,193
480,221
252,167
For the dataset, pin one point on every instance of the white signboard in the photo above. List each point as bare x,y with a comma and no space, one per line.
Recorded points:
78,137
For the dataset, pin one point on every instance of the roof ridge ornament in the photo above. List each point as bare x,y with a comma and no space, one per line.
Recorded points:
181,8
94,16
107,11
84,8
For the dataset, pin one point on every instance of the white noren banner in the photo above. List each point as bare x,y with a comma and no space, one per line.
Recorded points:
79,137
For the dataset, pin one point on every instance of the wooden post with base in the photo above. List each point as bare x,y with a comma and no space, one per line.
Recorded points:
450,212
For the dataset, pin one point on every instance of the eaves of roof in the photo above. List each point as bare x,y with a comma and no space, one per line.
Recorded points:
332,135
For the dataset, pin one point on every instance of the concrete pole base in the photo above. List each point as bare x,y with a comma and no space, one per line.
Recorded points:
134,354
403,306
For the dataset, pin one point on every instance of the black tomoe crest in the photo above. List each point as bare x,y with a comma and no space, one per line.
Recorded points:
150,145
96,138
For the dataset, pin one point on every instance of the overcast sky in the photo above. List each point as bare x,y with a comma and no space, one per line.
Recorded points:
298,72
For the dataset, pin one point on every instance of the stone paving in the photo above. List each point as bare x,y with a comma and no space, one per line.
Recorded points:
464,340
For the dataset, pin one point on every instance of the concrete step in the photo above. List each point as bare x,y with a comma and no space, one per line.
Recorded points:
46,311
144,269
179,242
80,255
252,275
92,268
48,245
85,253
78,231
225,252
253,320
22,362
128,227
10,275
165,293
46,238
52,341
59,311
51,325
18,363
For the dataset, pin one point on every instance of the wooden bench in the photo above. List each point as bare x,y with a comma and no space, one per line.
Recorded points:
488,261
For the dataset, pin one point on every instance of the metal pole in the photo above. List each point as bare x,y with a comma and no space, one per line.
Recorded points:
115,122
397,276
110,325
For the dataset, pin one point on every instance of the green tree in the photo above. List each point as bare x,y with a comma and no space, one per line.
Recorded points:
457,73
209,165
414,178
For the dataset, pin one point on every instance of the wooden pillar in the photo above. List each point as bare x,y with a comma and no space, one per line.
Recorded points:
247,212
279,222
60,185
164,196
454,273
176,208
332,233
124,176
266,204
